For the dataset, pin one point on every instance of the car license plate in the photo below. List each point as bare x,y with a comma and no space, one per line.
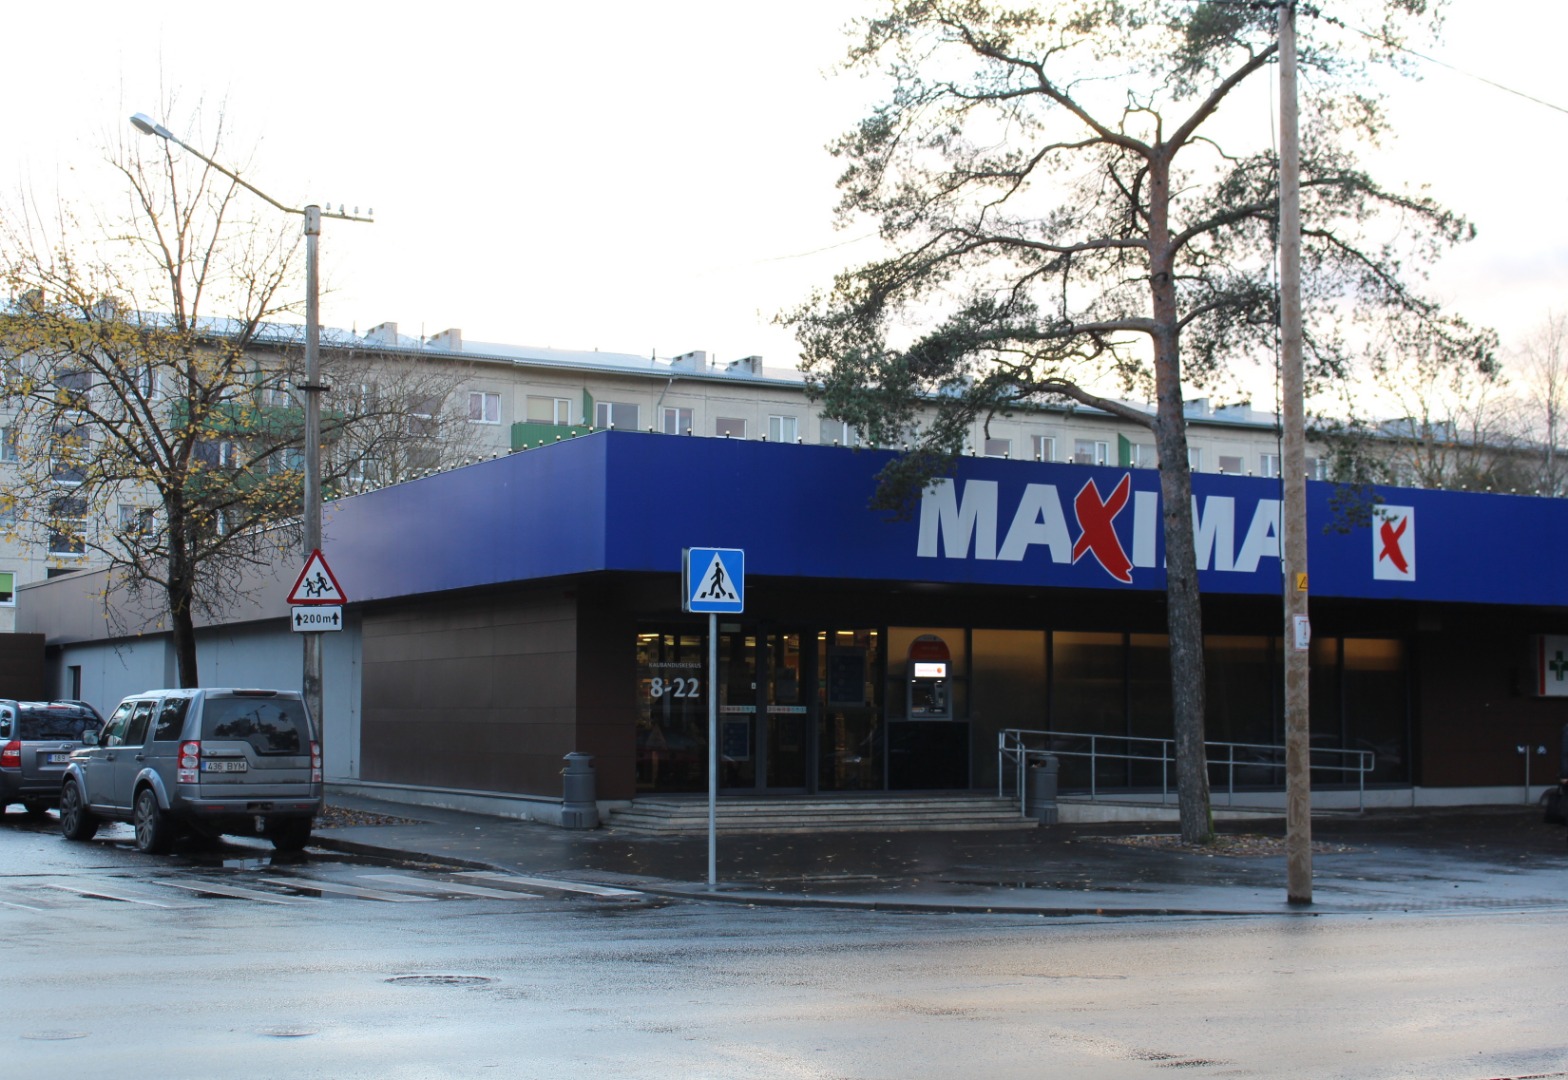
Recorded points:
224,766
58,759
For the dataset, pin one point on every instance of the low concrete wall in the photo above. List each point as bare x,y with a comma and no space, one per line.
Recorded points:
493,803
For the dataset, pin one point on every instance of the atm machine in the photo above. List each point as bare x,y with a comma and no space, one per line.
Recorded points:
927,685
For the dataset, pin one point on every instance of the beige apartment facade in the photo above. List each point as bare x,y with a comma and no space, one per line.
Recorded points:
504,398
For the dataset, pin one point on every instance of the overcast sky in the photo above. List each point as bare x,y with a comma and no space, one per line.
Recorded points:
651,177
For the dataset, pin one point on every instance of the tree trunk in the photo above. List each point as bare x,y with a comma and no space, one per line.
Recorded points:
1184,612
180,590
183,631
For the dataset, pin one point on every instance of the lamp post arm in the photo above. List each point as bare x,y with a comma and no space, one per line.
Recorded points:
148,126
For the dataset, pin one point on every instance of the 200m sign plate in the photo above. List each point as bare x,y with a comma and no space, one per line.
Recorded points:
314,618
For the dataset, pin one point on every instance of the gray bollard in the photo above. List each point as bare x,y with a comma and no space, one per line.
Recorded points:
579,797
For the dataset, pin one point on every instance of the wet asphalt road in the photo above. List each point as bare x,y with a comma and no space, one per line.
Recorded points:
463,984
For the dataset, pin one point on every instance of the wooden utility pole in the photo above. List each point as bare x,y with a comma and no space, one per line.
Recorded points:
1298,632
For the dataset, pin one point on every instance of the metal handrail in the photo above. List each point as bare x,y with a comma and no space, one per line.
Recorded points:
1021,746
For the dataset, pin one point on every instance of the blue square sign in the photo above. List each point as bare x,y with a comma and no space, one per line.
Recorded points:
713,581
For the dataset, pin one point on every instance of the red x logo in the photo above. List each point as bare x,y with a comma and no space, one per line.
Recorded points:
1391,550
1095,518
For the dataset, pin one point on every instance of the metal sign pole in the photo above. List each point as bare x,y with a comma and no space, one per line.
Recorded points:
713,750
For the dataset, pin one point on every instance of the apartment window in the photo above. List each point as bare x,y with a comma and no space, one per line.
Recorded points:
484,408
1002,448
729,427
149,383
549,410
69,452
287,459
1317,469
1144,456
68,526
675,420
1268,465
836,433
8,444
1195,458
616,414
783,429
7,588
423,459
1232,465
1091,452
1044,447
135,520
424,417
7,511
216,453
73,386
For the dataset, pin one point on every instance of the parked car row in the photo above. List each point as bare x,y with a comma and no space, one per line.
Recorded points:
171,762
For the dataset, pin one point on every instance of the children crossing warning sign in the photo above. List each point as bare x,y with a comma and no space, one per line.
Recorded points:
316,583
714,581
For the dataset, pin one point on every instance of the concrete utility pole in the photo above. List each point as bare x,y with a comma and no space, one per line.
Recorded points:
310,685
1298,630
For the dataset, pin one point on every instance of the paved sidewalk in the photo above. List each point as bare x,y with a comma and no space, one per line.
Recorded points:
1491,858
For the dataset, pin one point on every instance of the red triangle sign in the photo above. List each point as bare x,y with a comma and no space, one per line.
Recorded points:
316,583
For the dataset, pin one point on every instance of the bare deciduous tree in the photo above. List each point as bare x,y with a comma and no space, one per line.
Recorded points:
152,365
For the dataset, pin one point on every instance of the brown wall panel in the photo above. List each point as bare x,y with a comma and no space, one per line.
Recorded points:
1475,710
474,692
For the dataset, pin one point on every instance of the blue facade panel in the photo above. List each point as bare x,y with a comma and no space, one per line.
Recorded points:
632,501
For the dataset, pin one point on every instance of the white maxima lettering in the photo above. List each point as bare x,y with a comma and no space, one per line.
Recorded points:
959,518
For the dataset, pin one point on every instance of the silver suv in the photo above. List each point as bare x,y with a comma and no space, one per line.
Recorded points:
244,762
36,740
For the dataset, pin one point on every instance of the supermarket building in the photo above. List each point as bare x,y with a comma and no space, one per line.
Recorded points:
504,614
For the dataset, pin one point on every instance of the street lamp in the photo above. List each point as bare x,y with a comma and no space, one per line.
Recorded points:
312,385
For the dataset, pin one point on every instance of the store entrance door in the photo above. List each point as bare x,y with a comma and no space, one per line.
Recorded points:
766,723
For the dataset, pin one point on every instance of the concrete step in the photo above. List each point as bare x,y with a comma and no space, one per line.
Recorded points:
666,816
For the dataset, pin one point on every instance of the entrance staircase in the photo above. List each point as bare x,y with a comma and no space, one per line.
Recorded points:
687,815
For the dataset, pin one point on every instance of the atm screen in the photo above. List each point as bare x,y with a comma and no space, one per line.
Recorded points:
930,670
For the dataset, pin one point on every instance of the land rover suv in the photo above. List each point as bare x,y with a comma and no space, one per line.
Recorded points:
36,741
209,761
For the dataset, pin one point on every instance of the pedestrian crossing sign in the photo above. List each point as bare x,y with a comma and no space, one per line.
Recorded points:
713,581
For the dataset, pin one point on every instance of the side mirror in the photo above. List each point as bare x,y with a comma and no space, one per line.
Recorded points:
90,737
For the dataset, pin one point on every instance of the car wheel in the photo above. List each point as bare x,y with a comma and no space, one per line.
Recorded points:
76,821
290,835
154,831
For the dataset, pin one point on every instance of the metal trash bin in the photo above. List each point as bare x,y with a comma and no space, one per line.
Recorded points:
1043,772
579,797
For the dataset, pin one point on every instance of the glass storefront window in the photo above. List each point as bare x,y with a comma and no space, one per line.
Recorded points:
672,721
1087,677
1149,706
1007,690
1242,675
1376,715
849,728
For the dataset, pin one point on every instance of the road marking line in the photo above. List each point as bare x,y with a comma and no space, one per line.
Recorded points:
347,890
236,893
21,906
97,893
559,886
442,885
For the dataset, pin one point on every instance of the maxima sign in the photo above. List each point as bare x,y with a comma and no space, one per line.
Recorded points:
961,521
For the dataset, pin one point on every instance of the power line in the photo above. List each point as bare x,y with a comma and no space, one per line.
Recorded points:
1315,12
